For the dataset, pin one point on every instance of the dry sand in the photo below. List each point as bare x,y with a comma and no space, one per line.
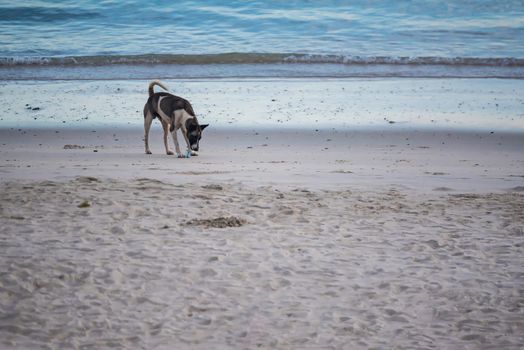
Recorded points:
93,263
276,239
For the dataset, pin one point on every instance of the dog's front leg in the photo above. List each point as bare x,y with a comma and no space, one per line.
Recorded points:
193,153
187,141
175,141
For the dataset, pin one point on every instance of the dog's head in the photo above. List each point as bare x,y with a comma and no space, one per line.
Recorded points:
194,133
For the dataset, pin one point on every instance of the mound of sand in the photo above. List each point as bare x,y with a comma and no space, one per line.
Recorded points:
220,222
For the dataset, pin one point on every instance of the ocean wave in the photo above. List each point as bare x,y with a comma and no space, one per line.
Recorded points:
451,61
257,58
30,14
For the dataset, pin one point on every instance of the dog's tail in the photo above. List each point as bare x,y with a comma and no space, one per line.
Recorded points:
152,85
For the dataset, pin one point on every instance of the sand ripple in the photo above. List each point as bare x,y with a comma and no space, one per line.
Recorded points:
327,269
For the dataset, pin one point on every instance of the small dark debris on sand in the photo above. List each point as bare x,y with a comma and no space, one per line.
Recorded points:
74,147
87,179
220,222
443,189
213,187
84,204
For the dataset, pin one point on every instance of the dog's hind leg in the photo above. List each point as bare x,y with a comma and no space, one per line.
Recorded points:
148,119
165,126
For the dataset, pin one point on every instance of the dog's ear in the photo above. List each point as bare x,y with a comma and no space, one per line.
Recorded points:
202,127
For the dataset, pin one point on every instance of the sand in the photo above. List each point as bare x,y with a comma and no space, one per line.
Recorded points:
324,159
275,238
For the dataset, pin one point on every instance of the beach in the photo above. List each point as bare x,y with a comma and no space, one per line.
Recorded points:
360,184
319,214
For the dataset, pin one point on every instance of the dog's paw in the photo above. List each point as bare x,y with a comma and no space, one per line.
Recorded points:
148,152
170,153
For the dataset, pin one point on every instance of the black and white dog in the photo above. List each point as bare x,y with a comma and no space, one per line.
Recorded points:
174,113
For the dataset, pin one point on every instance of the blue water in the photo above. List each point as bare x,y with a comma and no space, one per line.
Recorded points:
390,32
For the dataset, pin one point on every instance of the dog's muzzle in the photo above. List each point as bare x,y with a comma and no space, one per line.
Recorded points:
194,147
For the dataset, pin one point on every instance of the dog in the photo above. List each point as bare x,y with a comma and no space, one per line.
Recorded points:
174,113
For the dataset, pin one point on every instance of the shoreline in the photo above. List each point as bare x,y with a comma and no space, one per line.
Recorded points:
243,71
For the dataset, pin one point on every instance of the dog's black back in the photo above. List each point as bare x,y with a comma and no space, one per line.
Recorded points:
169,103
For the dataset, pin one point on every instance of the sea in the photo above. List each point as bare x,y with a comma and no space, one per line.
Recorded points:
142,39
